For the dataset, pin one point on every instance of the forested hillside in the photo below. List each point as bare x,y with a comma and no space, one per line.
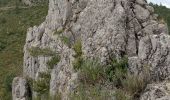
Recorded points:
15,19
163,12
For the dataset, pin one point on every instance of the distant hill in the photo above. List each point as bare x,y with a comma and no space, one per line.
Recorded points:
163,12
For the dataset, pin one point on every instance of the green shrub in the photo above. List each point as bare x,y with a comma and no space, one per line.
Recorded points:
91,71
86,92
36,51
131,88
77,63
78,55
41,86
134,85
116,69
78,48
122,95
54,61
65,40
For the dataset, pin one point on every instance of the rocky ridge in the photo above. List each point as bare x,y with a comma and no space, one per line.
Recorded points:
106,28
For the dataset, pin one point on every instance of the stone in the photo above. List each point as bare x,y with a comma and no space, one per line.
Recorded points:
142,14
106,28
157,91
20,89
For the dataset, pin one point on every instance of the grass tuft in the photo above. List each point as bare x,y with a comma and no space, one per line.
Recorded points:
54,61
36,51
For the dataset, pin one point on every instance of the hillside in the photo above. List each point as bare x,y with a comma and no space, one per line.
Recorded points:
14,23
163,12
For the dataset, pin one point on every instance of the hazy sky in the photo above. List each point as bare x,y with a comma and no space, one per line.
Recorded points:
163,2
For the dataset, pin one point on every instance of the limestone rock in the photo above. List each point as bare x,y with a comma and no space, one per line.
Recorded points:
159,91
20,90
106,28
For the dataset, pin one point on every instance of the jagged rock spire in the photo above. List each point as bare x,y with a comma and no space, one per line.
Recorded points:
106,28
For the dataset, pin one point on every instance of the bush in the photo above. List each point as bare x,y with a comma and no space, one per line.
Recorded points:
77,63
134,84
128,86
78,49
41,86
116,69
91,71
122,95
65,40
36,51
86,92
78,55
54,61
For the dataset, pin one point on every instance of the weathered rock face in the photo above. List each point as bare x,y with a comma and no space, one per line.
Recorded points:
20,89
106,28
158,91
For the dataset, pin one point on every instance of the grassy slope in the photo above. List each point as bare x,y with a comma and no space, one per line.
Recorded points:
13,26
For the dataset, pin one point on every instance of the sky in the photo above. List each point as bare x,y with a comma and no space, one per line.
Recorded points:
163,2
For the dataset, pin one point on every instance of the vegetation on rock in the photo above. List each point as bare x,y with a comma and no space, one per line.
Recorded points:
163,13
36,51
53,61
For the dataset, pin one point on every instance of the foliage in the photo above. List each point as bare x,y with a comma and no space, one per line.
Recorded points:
78,55
116,69
36,51
122,95
65,40
132,85
91,71
54,61
86,92
77,63
41,86
78,48
163,12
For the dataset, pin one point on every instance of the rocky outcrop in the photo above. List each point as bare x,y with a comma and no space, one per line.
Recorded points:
20,89
106,28
159,91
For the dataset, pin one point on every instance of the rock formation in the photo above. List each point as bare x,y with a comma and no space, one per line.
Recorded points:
20,89
106,28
